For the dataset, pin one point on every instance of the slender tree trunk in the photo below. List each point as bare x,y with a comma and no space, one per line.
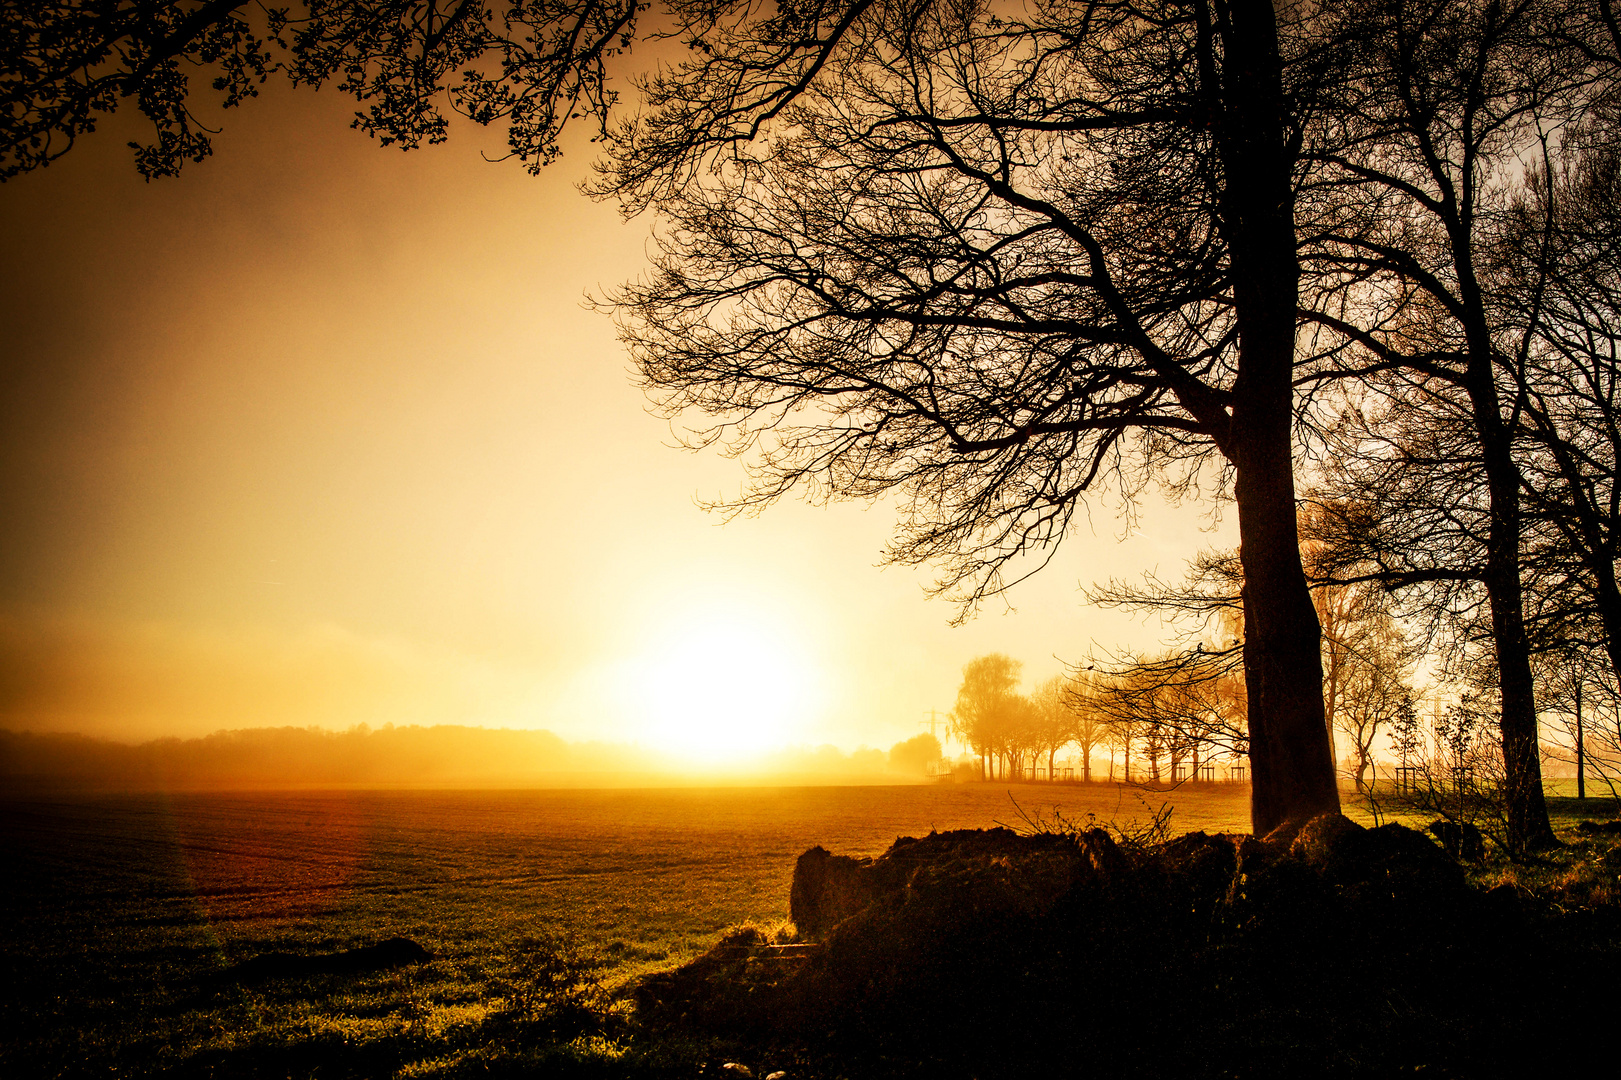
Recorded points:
1292,769
1581,770
1527,809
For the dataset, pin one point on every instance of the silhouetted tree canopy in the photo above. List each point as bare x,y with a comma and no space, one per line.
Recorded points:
531,65
990,264
990,261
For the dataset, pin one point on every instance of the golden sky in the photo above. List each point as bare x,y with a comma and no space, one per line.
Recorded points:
323,433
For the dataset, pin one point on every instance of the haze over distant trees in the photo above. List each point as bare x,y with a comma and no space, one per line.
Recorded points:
442,756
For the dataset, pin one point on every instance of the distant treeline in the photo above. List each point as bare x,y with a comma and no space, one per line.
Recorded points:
283,757
439,756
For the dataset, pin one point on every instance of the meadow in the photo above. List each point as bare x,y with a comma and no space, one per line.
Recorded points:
123,911
124,915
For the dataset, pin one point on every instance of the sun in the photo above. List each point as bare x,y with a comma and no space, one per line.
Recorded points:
721,687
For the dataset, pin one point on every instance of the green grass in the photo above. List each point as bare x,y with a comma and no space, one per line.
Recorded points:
124,912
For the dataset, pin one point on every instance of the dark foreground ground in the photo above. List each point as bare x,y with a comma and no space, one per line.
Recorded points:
576,935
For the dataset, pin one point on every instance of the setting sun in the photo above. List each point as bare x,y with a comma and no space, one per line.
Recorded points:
724,687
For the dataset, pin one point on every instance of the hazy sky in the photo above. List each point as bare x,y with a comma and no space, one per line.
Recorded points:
323,433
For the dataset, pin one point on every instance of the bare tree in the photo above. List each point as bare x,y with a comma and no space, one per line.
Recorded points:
528,64
1089,725
1559,276
1377,696
1183,705
989,706
1055,723
988,263
1367,657
1447,94
1581,698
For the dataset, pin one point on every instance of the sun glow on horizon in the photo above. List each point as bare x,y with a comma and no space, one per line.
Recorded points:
722,687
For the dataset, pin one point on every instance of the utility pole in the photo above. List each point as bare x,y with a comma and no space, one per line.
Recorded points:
937,719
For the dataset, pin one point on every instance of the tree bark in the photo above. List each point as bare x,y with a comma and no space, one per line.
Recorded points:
1581,757
1526,806
1292,769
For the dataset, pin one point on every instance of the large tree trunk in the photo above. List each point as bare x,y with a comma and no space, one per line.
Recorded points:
1292,768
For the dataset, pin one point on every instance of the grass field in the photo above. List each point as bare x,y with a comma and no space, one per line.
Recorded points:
122,912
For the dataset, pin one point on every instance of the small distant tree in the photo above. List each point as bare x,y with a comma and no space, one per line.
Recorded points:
1578,690
1090,727
1456,767
915,755
1375,695
989,706
1055,722
1182,706
1366,655
1123,727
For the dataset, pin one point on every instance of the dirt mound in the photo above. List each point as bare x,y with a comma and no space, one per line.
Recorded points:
994,868
1321,943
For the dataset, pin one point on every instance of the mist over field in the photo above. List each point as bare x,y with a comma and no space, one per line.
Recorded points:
438,756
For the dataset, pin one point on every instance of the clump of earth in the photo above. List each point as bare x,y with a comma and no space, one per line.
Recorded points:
1323,949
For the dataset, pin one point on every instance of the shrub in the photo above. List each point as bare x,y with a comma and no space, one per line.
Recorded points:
553,983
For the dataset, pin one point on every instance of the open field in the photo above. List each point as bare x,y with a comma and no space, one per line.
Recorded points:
122,912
